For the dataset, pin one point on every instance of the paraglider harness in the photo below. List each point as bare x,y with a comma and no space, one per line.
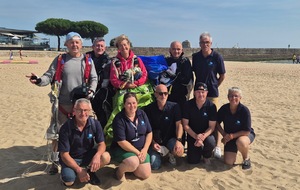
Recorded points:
58,76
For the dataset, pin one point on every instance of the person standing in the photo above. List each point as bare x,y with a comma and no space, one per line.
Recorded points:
102,101
77,139
209,68
11,55
294,58
21,54
199,119
237,131
180,74
68,81
165,120
127,74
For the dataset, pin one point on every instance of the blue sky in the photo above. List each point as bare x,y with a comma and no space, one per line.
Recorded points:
156,23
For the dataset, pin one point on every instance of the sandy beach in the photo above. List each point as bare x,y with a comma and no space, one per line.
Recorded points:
270,90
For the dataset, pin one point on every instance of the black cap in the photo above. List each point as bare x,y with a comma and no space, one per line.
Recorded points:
200,86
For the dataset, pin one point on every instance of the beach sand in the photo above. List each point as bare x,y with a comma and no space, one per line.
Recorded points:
271,91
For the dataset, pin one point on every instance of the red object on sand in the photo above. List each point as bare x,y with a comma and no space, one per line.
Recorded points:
33,62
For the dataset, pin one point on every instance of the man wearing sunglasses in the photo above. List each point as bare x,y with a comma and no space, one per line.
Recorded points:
165,120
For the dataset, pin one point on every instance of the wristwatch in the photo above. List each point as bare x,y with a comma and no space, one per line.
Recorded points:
179,139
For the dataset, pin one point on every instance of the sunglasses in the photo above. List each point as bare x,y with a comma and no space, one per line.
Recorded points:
163,93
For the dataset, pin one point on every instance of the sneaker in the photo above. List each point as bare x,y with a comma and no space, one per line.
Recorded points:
206,161
54,168
217,152
94,180
246,164
163,151
172,159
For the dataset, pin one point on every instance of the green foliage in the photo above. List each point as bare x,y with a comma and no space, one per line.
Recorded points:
55,27
90,29
60,27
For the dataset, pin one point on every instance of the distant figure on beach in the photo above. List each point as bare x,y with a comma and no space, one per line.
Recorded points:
77,138
237,132
102,101
131,140
165,120
294,58
67,85
199,119
209,68
21,54
11,55
298,59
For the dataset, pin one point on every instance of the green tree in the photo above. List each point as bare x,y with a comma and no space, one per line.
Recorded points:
90,29
55,27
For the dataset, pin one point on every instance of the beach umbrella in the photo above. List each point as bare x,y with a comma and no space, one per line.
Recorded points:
15,38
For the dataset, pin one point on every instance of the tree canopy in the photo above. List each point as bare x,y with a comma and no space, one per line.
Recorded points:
90,29
60,27
55,27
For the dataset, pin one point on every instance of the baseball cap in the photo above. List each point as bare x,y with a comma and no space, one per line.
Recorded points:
200,86
73,35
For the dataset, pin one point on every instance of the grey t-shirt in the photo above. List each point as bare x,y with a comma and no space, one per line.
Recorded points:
72,76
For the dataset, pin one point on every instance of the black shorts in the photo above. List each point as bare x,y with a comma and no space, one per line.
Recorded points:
231,145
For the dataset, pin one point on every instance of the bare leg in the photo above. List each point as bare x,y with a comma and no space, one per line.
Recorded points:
143,171
243,143
128,165
229,158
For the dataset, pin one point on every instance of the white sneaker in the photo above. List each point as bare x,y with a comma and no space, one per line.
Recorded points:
163,151
172,159
217,152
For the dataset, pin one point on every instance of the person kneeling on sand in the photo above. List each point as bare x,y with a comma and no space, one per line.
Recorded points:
131,140
237,133
77,138
165,120
199,119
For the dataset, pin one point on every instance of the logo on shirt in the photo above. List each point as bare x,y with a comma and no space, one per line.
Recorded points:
238,122
205,114
142,122
166,118
210,63
90,136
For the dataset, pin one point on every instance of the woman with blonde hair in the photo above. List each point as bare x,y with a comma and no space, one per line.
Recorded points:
237,131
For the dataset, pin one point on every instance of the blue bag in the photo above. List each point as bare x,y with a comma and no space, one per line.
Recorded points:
155,65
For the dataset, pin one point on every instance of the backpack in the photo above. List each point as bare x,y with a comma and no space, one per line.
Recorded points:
77,93
60,67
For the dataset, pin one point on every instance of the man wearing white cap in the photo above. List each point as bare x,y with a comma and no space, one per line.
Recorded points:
67,74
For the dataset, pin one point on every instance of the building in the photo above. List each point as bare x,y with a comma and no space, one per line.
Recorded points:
22,39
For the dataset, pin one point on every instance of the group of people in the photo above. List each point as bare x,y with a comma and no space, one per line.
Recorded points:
147,123
11,54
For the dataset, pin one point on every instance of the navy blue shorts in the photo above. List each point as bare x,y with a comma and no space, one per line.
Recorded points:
231,145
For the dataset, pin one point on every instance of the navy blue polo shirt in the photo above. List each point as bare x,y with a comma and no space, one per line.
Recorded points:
206,70
133,132
78,143
199,118
164,120
240,121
